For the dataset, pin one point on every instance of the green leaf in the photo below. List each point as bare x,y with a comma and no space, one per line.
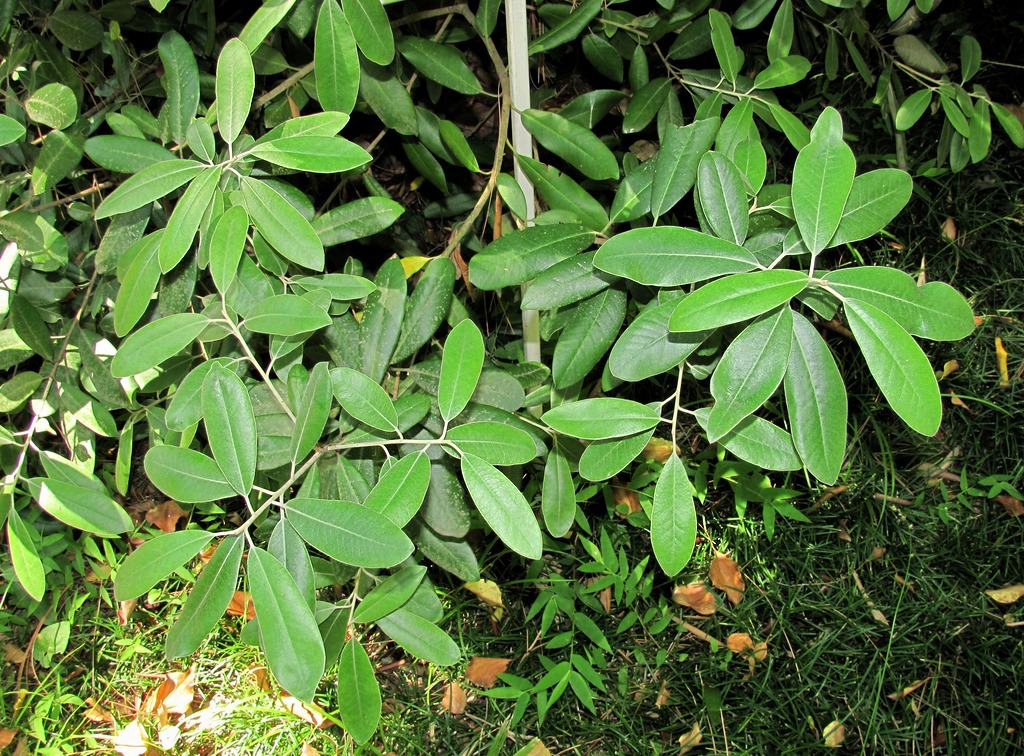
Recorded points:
461,363
83,508
566,282
351,533
644,105
230,427
633,197
757,441
400,491
138,283
315,124
156,342
288,632
371,29
186,475
208,600
341,286
558,494
427,308
603,459
335,59
227,243
10,130
568,29
673,518
364,399
730,57
262,22
52,105
184,221
236,82
440,63
60,155
794,129
148,185
590,332
578,146
312,154
311,413
286,315
980,137
186,406
287,547
503,507
78,30
561,192
30,327
603,56
156,559
919,55
783,72
494,443
282,225
671,256
647,348
898,365
519,256
356,220
359,701
675,167
815,403
28,567
912,108
750,370
420,637
875,199
970,57
387,96
737,298
181,83
1014,128
125,154
390,594
822,180
604,417
723,197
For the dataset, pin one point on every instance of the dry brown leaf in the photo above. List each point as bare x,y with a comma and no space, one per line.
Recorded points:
949,229
453,699
306,712
907,690
878,552
658,449
483,671
1007,594
663,695
696,596
741,643
241,606
260,677
13,654
605,597
1013,506
165,516
627,501
922,276
132,740
96,713
690,740
490,593
125,609
726,575
534,748
835,734
173,696
7,736
308,750
844,534
956,401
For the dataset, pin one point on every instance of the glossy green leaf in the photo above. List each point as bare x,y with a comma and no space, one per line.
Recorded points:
186,475
420,637
752,12
351,533
387,96
356,220
794,129
391,594
311,413
60,155
28,567
603,56
236,82
822,180
181,83
364,399
589,108
723,198
675,168
84,508
342,287
1011,125
156,559
30,327
359,701
673,518
230,427
566,282
875,199
288,631
783,72
647,348
138,283
461,363
736,298
980,136
382,320
603,459
591,330
148,185
494,443
604,417
671,256
400,491
287,547
759,442
371,29
633,197
227,243
912,108
576,145
184,221
917,54
263,21
208,600
560,192
335,59
730,57
644,105
558,494
286,315
503,507
312,154
156,342
315,124
568,29
517,257
456,141
441,63
282,225
427,308
125,154
52,105
10,130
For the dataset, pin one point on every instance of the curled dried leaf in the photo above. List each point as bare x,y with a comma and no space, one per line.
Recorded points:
166,515
835,734
690,740
726,575
659,450
483,671
696,596
454,698
241,606
907,690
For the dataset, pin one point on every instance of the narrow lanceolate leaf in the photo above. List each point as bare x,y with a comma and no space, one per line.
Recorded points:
875,199
282,226
750,371
495,443
156,559
184,221
208,600
822,179
604,417
382,319
815,403
289,549
782,72
568,29
312,413
558,494
181,83
83,508
364,399
426,308
227,243
391,594
350,533
335,59
577,146
359,701
288,631
673,518
148,185
28,567
736,298
236,81
420,637
371,29
125,154
898,365
671,256
440,63
503,507
186,475
675,167
312,154
647,347
603,459
230,427
156,342
461,363
723,197
286,315
262,22
521,255
588,335
138,283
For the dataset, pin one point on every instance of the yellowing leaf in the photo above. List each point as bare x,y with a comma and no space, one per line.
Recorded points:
490,593
658,449
1006,595
948,369
835,734
13,654
534,748
1001,363
907,690
690,740
413,265
696,596
483,671
725,575
949,229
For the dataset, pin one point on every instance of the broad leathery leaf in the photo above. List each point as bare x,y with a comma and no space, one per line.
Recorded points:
822,180
730,57
1014,129
898,365
312,154
751,13
288,631
673,518
604,417
138,283
876,197
426,164
356,220
28,567
400,491
558,494
371,29
387,97
603,459
312,412
181,83
287,547
460,148
390,594
794,129
84,508
590,332
236,82
780,37
262,22
427,308
757,441
453,555
286,315
156,559
647,348
816,403
440,63
282,225
503,507
382,319
351,533
148,185
737,298
420,637
227,243
568,29
578,146
519,256
561,192
335,59
186,406
912,108
671,256
316,124
364,399
359,701
980,138
61,154
919,55
723,197
633,197
208,600
342,287
644,105
230,427
461,363
188,214
675,167
603,56
970,57
589,108
934,311
125,154
494,443
782,72
186,475
565,282
750,370
10,130
156,342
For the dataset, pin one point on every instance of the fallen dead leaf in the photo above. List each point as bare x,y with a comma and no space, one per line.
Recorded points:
125,609
835,734
627,501
96,713
534,748
13,654
483,671
726,575
166,515
306,712
922,276
132,740
907,690
260,677
241,606
308,750
658,449
1007,594
741,643
948,369
7,736
604,596
878,552
490,593
1001,364
697,597
690,740
174,695
1013,506
956,401
844,534
453,699
663,695
949,229
207,554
